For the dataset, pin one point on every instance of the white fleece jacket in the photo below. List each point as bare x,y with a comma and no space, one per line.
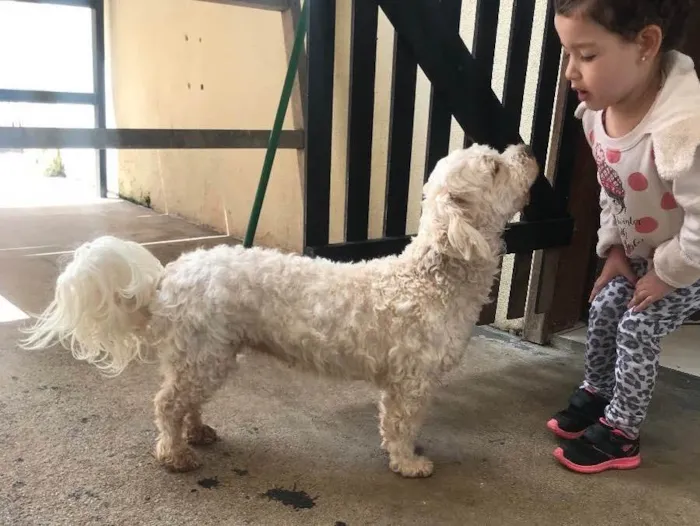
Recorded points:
650,178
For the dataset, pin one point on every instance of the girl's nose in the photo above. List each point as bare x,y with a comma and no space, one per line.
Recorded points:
571,71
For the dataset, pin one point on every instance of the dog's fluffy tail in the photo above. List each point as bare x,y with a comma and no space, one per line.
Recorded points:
100,308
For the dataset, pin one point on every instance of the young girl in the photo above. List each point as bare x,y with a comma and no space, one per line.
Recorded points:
640,109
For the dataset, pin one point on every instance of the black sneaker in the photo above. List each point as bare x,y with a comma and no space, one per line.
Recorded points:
585,409
600,448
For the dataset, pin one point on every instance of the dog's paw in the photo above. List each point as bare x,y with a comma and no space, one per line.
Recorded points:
201,436
415,467
178,460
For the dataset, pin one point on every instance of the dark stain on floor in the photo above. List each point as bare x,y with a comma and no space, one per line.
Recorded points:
240,472
291,497
209,483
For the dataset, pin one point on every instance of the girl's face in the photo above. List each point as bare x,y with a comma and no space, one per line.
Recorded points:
603,68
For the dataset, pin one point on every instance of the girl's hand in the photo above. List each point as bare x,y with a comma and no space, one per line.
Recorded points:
649,289
616,265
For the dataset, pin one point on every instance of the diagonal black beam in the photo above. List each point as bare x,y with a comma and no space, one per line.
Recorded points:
452,70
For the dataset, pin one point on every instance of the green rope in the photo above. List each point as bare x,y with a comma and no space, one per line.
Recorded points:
277,128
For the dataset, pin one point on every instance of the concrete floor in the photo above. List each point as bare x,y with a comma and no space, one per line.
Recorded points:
679,351
76,446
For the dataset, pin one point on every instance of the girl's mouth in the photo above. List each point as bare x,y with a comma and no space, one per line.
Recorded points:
582,95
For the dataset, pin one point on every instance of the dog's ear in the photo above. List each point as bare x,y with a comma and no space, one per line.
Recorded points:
461,184
466,239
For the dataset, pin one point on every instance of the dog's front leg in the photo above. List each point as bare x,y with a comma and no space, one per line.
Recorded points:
401,412
197,432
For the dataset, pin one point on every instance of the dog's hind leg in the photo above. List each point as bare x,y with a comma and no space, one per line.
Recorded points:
401,412
187,386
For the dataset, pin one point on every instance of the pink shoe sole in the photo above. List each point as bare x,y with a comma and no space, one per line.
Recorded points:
618,463
566,435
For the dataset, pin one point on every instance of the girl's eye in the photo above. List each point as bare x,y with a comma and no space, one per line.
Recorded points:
588,58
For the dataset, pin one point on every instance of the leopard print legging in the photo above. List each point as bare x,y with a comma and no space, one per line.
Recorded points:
622,350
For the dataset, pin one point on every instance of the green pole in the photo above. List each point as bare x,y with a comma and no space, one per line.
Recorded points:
277,127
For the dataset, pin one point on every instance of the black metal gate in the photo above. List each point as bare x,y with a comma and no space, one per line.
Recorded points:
427,35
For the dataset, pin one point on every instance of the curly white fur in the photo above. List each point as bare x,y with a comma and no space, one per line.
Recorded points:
399,322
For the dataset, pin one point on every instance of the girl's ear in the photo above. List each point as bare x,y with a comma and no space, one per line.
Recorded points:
649,41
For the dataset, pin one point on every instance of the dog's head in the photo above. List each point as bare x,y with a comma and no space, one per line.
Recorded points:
471,195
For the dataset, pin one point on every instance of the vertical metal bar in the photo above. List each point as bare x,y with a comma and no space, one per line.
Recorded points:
566,161
363,54
484,43
319,108
485,30
517,61
440,118
519,285
99,87
514,92
488,313
546,89
566,158
403,97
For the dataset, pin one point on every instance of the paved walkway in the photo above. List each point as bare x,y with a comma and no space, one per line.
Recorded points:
296,449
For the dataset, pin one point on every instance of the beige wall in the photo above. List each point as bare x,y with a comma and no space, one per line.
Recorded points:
161,54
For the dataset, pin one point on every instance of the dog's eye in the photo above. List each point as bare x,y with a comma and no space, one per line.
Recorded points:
459,201
497,168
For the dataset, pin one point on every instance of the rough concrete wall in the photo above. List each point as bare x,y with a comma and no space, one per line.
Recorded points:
188,64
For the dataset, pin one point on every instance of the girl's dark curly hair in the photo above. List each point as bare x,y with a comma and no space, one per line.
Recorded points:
628,17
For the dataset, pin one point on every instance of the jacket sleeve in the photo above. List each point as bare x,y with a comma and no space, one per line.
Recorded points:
608,233
677,261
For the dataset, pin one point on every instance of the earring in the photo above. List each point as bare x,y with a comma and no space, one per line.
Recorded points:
644,58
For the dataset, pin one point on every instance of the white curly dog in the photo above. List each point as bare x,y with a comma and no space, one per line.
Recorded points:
399,322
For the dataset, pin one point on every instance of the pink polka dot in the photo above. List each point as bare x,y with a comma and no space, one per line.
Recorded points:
646,225
613,156
668,202
638,182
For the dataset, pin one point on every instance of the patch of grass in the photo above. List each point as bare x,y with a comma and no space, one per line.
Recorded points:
56,168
